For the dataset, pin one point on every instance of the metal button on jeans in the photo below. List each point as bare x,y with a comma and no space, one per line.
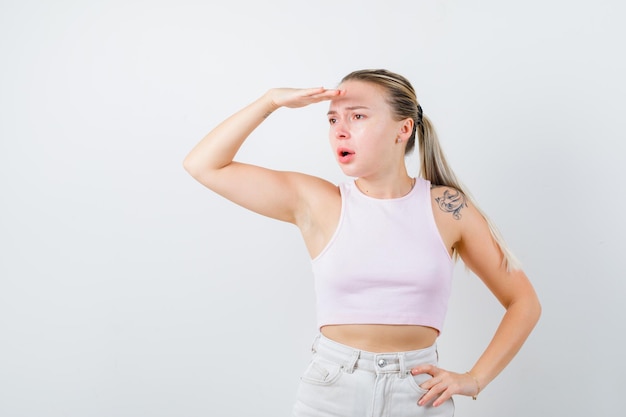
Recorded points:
382,363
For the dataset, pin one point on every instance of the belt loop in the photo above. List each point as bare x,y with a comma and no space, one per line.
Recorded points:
403,371
315,342
351,364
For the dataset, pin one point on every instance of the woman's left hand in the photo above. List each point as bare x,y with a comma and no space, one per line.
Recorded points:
444,384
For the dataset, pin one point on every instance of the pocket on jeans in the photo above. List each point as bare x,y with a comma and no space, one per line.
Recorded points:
322,372
416,380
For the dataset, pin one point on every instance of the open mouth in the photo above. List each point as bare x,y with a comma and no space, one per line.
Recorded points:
343,152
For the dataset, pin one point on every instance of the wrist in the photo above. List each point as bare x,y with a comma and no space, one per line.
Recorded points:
269,104
478,387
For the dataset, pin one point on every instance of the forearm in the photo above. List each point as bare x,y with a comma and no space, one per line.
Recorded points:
517,323
218,148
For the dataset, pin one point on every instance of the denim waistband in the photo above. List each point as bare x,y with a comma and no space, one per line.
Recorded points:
388,362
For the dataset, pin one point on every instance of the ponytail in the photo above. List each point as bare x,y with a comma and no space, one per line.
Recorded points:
433,164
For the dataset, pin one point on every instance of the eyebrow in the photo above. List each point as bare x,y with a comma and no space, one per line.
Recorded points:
349,108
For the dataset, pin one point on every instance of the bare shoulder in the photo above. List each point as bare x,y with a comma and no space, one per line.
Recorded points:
323,198
320,213
454,214
451,205
308,195
448,206
448,202
314,189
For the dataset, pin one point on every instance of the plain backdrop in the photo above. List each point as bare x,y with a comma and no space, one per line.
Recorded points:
128,289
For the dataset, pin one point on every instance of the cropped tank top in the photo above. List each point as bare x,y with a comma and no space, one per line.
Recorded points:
385,264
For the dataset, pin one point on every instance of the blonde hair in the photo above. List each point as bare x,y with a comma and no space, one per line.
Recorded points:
433,165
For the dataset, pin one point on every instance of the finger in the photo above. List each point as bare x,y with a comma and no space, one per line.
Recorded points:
424,369
312,92
430,396
308,92
438,394
445,396
326,94
427,385
302,97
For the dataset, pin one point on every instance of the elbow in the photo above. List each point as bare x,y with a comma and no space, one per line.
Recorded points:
192,166
201,171
533,310
188,165
528,308
538,310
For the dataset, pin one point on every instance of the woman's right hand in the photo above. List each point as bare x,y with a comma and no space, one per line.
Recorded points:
300,97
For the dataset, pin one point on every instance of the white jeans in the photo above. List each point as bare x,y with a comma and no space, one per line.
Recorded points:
344,382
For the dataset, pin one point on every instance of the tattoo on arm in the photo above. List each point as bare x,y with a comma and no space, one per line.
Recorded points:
452,202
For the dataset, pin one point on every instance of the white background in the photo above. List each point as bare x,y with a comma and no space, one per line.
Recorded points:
127,289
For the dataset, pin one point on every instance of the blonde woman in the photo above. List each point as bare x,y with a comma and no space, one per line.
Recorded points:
382,248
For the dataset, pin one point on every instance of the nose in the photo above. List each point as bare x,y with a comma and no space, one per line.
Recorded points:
340,132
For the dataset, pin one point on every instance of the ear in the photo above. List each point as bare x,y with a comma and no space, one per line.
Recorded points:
406,128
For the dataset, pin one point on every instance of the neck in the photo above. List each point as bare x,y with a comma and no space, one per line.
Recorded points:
386,188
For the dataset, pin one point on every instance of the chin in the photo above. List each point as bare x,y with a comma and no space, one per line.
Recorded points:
348,171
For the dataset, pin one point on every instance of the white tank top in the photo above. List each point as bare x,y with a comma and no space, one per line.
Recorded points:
385,264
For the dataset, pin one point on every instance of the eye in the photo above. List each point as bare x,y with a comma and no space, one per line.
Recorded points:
359,116
332,121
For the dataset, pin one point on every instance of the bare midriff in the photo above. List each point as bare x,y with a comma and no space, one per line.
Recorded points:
382,337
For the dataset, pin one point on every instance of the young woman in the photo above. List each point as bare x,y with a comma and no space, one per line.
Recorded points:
382,248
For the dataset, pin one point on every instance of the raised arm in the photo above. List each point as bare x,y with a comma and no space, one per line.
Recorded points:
268,192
